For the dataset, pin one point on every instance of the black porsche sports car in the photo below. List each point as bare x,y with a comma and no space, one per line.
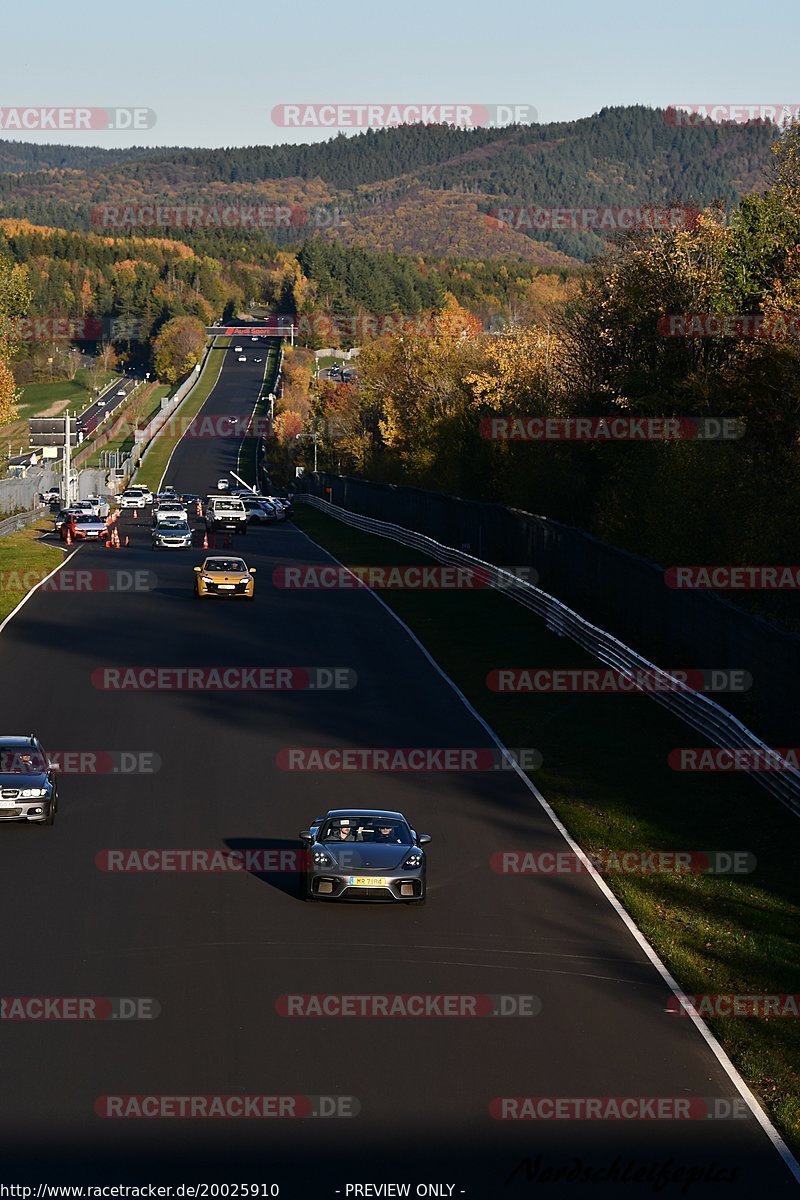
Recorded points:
364,854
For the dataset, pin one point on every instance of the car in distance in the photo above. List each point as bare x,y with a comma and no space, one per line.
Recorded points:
224,576
364,854
63,515
242,358
135,498
172,533
162,509
223,485
100,507
83,527
28,787
226,513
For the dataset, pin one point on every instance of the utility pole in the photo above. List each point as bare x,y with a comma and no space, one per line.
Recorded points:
67,460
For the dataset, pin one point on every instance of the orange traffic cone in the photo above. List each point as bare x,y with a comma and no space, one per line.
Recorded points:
205,540
127,540
199,509
136,514
108,543
68,538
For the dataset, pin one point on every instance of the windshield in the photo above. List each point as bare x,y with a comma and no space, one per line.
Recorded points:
85,519
225,564
366,829
20,760
173,525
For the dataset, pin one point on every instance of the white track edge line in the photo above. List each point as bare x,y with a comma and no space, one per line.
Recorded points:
718,1051
28,595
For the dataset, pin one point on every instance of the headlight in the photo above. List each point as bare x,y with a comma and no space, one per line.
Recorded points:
412,862
206,579
321,859
29,793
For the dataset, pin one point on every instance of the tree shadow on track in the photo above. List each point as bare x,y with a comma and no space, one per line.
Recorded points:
276,861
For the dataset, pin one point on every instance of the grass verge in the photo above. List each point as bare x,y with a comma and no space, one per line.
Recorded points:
605,773
24,561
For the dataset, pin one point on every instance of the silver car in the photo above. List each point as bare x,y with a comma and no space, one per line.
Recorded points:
366,854
172,534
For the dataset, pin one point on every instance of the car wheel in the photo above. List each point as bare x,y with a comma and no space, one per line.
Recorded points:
50,819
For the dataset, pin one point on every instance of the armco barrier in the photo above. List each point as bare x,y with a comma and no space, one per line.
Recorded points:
619,591
20,520
697,710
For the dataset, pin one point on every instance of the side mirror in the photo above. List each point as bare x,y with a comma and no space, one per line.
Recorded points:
55,767
423,839
198,570
252,570
305,836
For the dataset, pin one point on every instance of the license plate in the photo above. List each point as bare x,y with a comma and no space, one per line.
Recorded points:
8,803
226,587
367,881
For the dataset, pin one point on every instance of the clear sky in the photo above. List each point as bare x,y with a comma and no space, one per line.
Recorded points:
213,73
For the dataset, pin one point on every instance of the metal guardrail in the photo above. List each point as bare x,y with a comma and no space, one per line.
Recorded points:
704,715
20,520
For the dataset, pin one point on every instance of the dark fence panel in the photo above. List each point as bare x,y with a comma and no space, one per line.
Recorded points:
625,594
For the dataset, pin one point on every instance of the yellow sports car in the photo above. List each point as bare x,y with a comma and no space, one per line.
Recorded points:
220,576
